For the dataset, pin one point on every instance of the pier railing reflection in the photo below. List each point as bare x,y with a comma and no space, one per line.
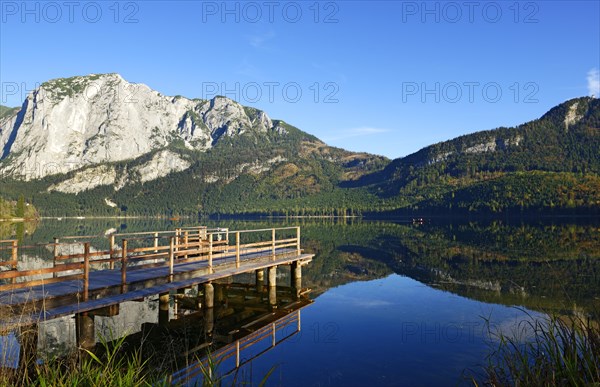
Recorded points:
245,321
240,352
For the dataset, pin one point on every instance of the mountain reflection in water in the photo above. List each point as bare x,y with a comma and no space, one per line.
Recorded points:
407,300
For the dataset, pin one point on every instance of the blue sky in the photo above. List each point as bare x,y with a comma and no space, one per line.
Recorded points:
386,77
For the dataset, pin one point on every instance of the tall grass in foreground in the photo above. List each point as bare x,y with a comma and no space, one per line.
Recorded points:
117,366
549,352
85,369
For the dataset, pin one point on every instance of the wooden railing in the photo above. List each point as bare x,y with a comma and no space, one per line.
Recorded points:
138,251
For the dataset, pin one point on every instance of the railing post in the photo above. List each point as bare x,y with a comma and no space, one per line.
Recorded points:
55,252
210,252
273,243
86,269
185,241
298,240
14,258
171,255
124,263
199,248
156,242
111,251
237,354
237,249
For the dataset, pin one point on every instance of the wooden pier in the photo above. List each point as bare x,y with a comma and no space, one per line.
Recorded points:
78,277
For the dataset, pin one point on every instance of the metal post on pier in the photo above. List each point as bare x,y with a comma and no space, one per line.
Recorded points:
171,256
156,242
237,249
210,252
14,258
185,241
111,251
86,269
55,253
124,265
298,240
273,244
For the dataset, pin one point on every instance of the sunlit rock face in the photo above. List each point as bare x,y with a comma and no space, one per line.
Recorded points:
69,124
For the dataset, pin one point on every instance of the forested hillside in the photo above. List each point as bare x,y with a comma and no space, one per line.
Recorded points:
222,158
549,163
17,209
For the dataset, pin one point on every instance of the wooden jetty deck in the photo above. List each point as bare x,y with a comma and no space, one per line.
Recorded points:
134,266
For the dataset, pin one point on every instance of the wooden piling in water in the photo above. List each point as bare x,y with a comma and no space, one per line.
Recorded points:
163,309
85,331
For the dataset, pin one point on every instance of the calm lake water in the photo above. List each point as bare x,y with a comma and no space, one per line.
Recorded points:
395,303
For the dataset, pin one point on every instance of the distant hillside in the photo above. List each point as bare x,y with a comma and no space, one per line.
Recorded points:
551,162
83,145
17,209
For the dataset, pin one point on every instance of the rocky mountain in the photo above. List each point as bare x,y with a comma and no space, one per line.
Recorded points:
99,144
68,124
108,141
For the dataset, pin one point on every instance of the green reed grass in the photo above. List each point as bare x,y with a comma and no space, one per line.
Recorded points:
545,352
115,367
85,368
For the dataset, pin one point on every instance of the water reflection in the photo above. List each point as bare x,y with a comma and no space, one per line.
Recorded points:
398,303
546,265
247,320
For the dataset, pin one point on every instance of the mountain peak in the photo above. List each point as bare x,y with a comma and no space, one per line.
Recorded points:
68,123
570,112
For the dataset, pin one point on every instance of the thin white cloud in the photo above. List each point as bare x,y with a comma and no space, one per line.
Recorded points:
248,69
258,41
593,82
356,132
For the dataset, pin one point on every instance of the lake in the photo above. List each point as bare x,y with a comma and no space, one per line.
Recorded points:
394,303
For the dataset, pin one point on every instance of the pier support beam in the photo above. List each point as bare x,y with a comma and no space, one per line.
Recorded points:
163,309
208,309
272,272
260,279
296,278
209,295
209,322
273,296
219,294
272,279
180,292
85,330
